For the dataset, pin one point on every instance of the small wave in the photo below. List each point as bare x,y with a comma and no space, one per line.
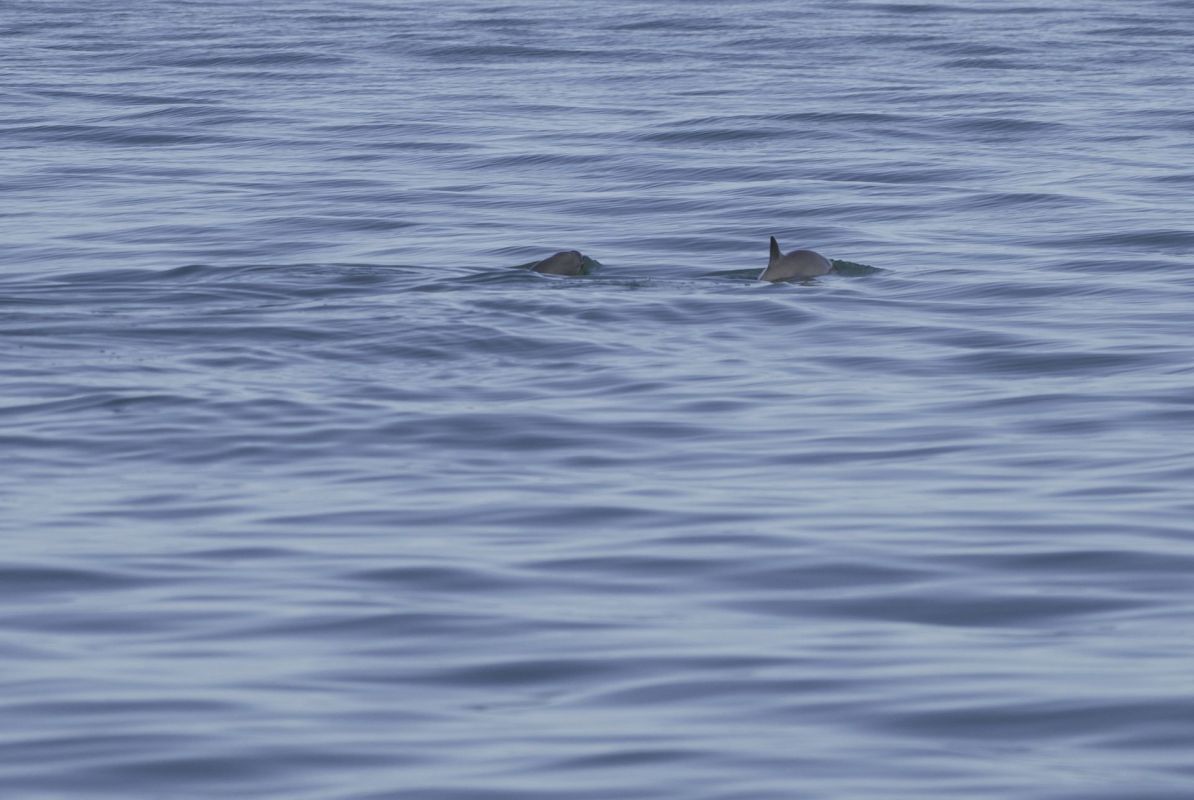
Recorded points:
677,23
118,135
467,53
22,580
994,64
699,135
271,58
1003,126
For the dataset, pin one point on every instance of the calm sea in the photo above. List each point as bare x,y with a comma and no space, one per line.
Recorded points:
308,491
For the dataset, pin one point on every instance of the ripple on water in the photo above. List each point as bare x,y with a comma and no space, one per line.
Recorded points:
312,490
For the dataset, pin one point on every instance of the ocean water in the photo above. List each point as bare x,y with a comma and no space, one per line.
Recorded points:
310,492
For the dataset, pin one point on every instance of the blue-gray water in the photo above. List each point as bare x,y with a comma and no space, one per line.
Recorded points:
308,493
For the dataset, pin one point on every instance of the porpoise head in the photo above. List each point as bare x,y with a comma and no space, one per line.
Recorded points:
796,264
566,262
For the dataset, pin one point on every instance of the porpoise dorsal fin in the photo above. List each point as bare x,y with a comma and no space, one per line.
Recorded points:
775,254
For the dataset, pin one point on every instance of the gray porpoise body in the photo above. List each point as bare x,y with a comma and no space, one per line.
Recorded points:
796,264
567,262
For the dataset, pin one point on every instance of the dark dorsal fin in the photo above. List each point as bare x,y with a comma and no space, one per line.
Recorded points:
775,254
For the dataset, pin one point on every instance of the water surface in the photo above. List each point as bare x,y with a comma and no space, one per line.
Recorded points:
309,493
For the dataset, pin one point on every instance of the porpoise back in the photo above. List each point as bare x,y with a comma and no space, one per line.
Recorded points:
796,264
566,262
